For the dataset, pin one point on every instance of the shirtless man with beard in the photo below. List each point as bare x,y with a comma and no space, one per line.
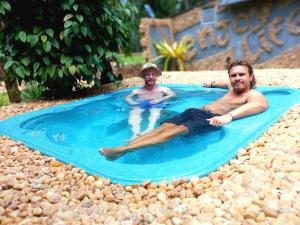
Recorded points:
151,97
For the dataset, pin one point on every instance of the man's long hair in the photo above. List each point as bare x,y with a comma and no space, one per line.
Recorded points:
250,70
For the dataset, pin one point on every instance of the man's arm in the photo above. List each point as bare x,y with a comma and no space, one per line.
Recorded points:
129,98
216,84
168,93
256,103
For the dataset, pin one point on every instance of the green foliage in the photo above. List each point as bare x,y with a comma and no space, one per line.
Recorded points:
62,43
32,91
4,99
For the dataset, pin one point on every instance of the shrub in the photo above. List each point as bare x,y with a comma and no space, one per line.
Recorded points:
33,90
62,43
174,54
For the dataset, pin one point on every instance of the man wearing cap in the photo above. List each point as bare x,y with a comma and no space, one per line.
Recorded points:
240,101
150,97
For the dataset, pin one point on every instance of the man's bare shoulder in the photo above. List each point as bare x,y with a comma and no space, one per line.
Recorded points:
255,95
138,91
163,89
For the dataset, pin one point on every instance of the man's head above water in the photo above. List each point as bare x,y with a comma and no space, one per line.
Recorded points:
149,66
150,72
240,71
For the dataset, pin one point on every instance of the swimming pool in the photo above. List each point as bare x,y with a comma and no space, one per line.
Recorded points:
73,133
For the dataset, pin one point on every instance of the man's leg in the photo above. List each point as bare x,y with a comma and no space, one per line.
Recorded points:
162,134
153,117
156,132
135,119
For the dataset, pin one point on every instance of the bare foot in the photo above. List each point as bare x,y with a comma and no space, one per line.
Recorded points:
112,153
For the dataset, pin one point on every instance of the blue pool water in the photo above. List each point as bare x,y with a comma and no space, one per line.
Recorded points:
74,132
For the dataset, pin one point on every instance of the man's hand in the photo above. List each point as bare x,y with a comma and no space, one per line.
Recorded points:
207,84
220,120
155,101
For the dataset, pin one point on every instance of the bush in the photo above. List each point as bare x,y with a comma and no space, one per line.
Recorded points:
62,43
33,90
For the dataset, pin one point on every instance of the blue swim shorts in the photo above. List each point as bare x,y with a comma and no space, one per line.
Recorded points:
145,104
194,119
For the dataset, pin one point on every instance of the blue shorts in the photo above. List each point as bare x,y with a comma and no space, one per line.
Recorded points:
145,104
193,119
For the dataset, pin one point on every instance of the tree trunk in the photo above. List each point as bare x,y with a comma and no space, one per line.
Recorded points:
11,87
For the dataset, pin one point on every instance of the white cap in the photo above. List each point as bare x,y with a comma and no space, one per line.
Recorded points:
148,66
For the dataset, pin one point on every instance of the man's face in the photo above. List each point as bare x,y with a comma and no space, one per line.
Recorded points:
150,77
240,78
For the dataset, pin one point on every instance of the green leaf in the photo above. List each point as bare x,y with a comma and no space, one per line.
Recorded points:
26,71
88,48
51,71
72,69
98,21
60,73
66,60
75,28
8,64
22,36
50,32
46,60
36,29
68,41
111,76
85,70
67,17
68,24
127,12
75,7
100,51
79,18
84,30
55,44
33,40
109,29
2,56
96,59
47,46
25,61
78,59
44,75
39,51
20,73
2,11
44,38
67,32
36,65
5,5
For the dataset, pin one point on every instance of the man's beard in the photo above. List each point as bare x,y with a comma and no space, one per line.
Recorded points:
150,83
239,87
